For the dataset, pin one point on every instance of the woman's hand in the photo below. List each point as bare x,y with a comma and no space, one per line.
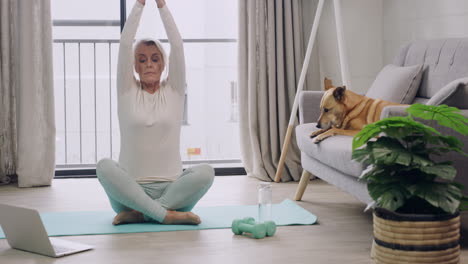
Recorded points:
161,3
142,1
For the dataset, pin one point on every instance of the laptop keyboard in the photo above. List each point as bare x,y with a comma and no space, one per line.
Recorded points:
60,250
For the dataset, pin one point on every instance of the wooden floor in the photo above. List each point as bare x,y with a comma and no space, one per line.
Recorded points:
343,233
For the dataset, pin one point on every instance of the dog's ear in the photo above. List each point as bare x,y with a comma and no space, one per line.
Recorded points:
327,83
339,93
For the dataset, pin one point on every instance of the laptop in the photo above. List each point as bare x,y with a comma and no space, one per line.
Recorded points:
24,230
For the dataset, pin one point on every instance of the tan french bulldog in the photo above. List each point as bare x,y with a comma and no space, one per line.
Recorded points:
344,112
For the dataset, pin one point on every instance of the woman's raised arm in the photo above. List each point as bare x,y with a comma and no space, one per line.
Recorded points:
125,63
176,75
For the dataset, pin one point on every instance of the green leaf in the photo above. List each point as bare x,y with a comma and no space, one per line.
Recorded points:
395,127
379,174
421,160
444,115
451,141
367,132
386,151
445,196
363,155
389,196
444,144
453,144
401,173
445,172
390,151
464,203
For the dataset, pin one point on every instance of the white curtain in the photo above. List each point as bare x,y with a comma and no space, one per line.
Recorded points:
27,83
271,53
7,92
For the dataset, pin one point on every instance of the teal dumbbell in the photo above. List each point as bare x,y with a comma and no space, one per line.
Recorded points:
270,228
258,230
248,220
249,223
245,220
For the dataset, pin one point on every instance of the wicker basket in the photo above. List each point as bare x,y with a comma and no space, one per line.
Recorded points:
400,238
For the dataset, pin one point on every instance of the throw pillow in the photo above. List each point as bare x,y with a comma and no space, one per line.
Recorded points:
452,94
396,84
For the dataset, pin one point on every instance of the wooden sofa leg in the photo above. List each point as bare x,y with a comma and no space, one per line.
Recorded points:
302,185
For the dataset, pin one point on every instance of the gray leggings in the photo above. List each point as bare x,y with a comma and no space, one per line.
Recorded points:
153,199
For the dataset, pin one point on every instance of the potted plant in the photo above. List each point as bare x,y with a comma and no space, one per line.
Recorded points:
416,201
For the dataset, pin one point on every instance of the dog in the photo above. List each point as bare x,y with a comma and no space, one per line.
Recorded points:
343,112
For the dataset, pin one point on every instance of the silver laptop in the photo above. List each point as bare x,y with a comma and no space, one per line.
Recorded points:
24,230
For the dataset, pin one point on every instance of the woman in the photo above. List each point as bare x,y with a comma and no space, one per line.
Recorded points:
148,183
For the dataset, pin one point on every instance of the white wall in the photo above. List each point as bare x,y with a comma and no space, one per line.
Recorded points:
376,29
312,81
362,25
409,20
374,32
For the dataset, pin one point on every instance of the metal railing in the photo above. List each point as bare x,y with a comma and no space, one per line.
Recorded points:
65,45
78,42
111,46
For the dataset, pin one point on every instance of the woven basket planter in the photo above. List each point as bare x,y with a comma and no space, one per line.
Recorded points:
401,238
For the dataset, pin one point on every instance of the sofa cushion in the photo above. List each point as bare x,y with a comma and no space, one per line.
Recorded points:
444,61
396,84
453,94
334,151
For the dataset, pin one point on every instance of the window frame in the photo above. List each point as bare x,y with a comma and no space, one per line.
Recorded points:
87,171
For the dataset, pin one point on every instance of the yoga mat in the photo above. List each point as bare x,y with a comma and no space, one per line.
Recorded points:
99,222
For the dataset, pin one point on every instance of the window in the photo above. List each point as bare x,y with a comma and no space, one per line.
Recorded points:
86,35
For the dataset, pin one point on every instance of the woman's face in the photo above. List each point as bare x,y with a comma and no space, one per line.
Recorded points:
149,63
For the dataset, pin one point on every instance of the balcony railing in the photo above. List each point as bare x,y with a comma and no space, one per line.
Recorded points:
86,103
72,100
69,48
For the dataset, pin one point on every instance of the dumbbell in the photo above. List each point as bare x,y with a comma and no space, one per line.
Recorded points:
270,228
258,230
248,220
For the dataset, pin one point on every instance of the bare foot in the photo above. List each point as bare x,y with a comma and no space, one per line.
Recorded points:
174,217
127,217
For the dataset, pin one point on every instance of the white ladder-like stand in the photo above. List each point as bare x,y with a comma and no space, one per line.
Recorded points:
345,79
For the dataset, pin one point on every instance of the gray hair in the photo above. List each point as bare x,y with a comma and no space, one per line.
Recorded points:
157,43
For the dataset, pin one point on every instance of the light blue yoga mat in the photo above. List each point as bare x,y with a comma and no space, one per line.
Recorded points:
99,222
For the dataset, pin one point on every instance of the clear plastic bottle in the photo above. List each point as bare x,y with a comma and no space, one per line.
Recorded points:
264,201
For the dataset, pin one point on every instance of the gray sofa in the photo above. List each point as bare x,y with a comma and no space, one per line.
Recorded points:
445,61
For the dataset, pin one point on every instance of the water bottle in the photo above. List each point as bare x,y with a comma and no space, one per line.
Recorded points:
264,201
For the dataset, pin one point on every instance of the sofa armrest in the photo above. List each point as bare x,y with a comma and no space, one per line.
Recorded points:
460,161
309,106
394,110
400,110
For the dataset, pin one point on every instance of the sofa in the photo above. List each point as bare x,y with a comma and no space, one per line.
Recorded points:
443,77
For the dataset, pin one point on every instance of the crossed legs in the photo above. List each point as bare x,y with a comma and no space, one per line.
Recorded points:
164,202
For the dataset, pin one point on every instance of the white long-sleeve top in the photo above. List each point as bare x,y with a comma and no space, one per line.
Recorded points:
150,124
